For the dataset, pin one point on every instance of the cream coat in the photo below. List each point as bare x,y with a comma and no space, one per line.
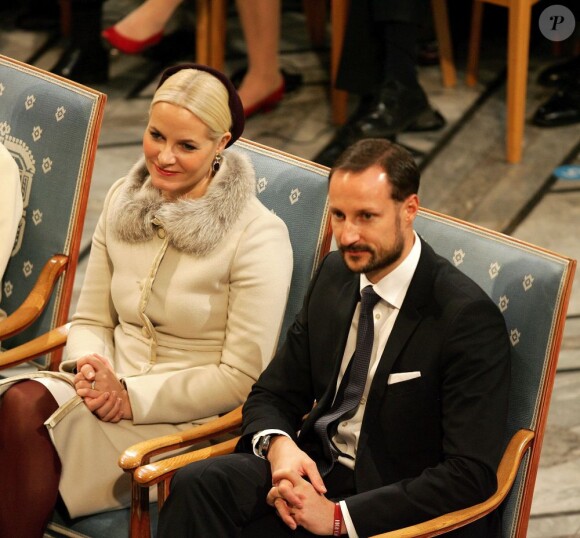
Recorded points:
186,301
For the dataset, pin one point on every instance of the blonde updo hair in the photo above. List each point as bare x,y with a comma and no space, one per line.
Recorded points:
200,93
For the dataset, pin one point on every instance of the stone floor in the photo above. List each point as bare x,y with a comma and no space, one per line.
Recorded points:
464,174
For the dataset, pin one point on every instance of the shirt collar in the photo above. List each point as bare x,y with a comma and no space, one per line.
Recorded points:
393,287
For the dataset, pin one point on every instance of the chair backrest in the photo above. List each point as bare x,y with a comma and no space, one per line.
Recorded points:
296,190
50,126
531,286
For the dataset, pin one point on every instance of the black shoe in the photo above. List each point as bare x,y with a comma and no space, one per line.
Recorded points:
395,109
560,74
86,66
562,108
429,120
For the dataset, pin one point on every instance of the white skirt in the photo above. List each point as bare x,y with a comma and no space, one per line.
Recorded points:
91,480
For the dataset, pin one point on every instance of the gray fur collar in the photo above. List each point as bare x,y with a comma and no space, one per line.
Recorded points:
192,226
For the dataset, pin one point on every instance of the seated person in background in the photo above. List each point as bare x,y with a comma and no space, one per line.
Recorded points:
408,429
380,66
10,210
179,313
262,85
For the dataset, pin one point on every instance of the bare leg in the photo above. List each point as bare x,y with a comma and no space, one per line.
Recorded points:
261,25
31,467
148,19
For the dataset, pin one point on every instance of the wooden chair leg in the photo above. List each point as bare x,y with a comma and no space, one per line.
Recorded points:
202,30
315,11
217,35
65,17
140,523
210,29
443,34
517,76
474,43
338,98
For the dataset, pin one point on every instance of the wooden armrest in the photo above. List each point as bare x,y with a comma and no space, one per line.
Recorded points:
153,473
139,454
506,474
41,345
27,313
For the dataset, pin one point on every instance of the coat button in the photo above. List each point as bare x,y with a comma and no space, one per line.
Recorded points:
145,332
161,233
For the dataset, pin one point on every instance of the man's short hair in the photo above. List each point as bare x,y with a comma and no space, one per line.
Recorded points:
395,160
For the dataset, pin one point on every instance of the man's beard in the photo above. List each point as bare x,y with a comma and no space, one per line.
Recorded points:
379,259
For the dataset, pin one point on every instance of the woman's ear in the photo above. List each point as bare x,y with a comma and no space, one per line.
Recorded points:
226,137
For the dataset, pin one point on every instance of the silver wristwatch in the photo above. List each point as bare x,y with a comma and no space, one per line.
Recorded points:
264,445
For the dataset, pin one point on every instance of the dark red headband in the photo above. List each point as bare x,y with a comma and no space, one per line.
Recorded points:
234,101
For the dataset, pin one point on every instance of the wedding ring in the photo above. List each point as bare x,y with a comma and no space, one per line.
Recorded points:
93,385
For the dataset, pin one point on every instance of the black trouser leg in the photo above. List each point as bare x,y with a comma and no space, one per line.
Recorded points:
216,497
85,59
226,496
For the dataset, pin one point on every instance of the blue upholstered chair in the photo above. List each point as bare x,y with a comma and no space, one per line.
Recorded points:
294,189
50,126
531,286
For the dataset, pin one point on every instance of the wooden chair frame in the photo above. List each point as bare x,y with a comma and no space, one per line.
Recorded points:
57,275
519,28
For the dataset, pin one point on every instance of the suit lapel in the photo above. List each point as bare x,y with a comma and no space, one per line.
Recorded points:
409,317
348,298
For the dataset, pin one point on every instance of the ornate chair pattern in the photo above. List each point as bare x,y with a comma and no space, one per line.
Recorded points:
294,189
50,126
531,286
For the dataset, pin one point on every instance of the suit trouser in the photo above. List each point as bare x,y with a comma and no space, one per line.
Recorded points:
226,496
380,35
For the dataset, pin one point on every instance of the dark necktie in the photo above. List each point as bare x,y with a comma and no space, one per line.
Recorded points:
353,382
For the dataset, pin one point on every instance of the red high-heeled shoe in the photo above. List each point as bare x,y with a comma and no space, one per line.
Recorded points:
128,45
268,103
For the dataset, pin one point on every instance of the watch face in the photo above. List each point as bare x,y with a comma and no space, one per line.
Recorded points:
264,445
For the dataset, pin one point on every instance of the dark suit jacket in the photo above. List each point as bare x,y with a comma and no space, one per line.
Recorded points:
427,446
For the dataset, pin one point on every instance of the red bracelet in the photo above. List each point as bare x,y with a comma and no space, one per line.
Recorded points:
337,520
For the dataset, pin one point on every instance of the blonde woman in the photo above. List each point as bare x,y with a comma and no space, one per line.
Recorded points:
179,313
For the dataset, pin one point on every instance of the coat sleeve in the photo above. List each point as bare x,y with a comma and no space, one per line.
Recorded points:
284,393
260,279
95,318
